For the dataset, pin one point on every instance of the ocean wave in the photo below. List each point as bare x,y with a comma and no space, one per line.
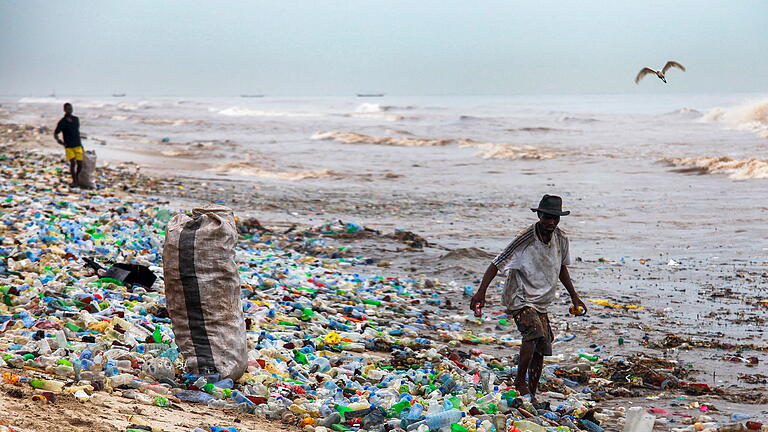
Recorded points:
376,111
372,108
751,117
185,153
509,151
357,138
379,115
195,149
398,132
40,100
167,122
583,120
686,113
734,168
247,169
247,112
537,129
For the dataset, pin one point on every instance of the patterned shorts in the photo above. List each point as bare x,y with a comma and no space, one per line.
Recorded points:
534,325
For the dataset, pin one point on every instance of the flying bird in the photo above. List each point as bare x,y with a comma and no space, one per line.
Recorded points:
659,73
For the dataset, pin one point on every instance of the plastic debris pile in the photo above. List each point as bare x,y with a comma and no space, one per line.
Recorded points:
331,347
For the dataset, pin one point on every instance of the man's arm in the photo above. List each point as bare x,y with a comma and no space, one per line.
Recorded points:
565,279
478,300
57,132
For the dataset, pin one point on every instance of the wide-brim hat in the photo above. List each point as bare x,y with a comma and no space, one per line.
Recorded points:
551,205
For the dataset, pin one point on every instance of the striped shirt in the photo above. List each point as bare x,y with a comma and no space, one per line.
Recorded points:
532,268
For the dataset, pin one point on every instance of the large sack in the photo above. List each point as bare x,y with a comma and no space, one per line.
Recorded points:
202,289
86,177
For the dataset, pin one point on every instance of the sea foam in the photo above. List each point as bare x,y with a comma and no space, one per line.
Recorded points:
752,117
734,168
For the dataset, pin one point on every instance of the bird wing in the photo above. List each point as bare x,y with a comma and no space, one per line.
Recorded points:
643,72
671,64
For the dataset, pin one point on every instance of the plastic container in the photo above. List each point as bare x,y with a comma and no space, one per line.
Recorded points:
639,420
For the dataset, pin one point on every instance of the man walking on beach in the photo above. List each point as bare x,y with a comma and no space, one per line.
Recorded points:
69,127
533,263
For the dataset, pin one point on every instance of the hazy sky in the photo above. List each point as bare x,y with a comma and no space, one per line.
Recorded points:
409,47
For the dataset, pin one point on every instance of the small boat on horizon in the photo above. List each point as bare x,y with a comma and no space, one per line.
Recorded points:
118,94
251,95
370,94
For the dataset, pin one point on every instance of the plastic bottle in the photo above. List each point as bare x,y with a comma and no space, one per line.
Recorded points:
123,379
439,420
448,384
240,398
593,357
110,368
525,425
139,397
223,404
320,364
415,412
48,385
194,396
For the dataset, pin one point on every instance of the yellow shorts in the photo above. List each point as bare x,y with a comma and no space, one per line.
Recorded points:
74,153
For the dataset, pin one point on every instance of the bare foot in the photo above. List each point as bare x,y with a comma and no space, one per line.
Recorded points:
522,388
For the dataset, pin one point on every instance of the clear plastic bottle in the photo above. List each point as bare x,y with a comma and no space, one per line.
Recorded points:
123,379
223,404
320,364
439,420
414,413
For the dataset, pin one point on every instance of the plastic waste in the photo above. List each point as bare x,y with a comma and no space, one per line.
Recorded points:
439,420
638,420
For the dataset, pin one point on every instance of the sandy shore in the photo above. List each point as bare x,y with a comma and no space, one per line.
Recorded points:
713,304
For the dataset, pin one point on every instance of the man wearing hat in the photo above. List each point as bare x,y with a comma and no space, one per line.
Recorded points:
533,263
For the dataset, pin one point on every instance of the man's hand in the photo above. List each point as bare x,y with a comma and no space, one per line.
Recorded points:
477,303
578,303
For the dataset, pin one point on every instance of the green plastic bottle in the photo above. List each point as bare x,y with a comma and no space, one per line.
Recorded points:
342,410
396,409
593,357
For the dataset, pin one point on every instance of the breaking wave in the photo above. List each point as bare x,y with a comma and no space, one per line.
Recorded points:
372,108
40,100
247,112
247,169
509,151
487,150
734,168
356,138
166,122
751,117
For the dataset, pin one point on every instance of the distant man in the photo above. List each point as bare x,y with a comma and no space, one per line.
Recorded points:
69,127
533,262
